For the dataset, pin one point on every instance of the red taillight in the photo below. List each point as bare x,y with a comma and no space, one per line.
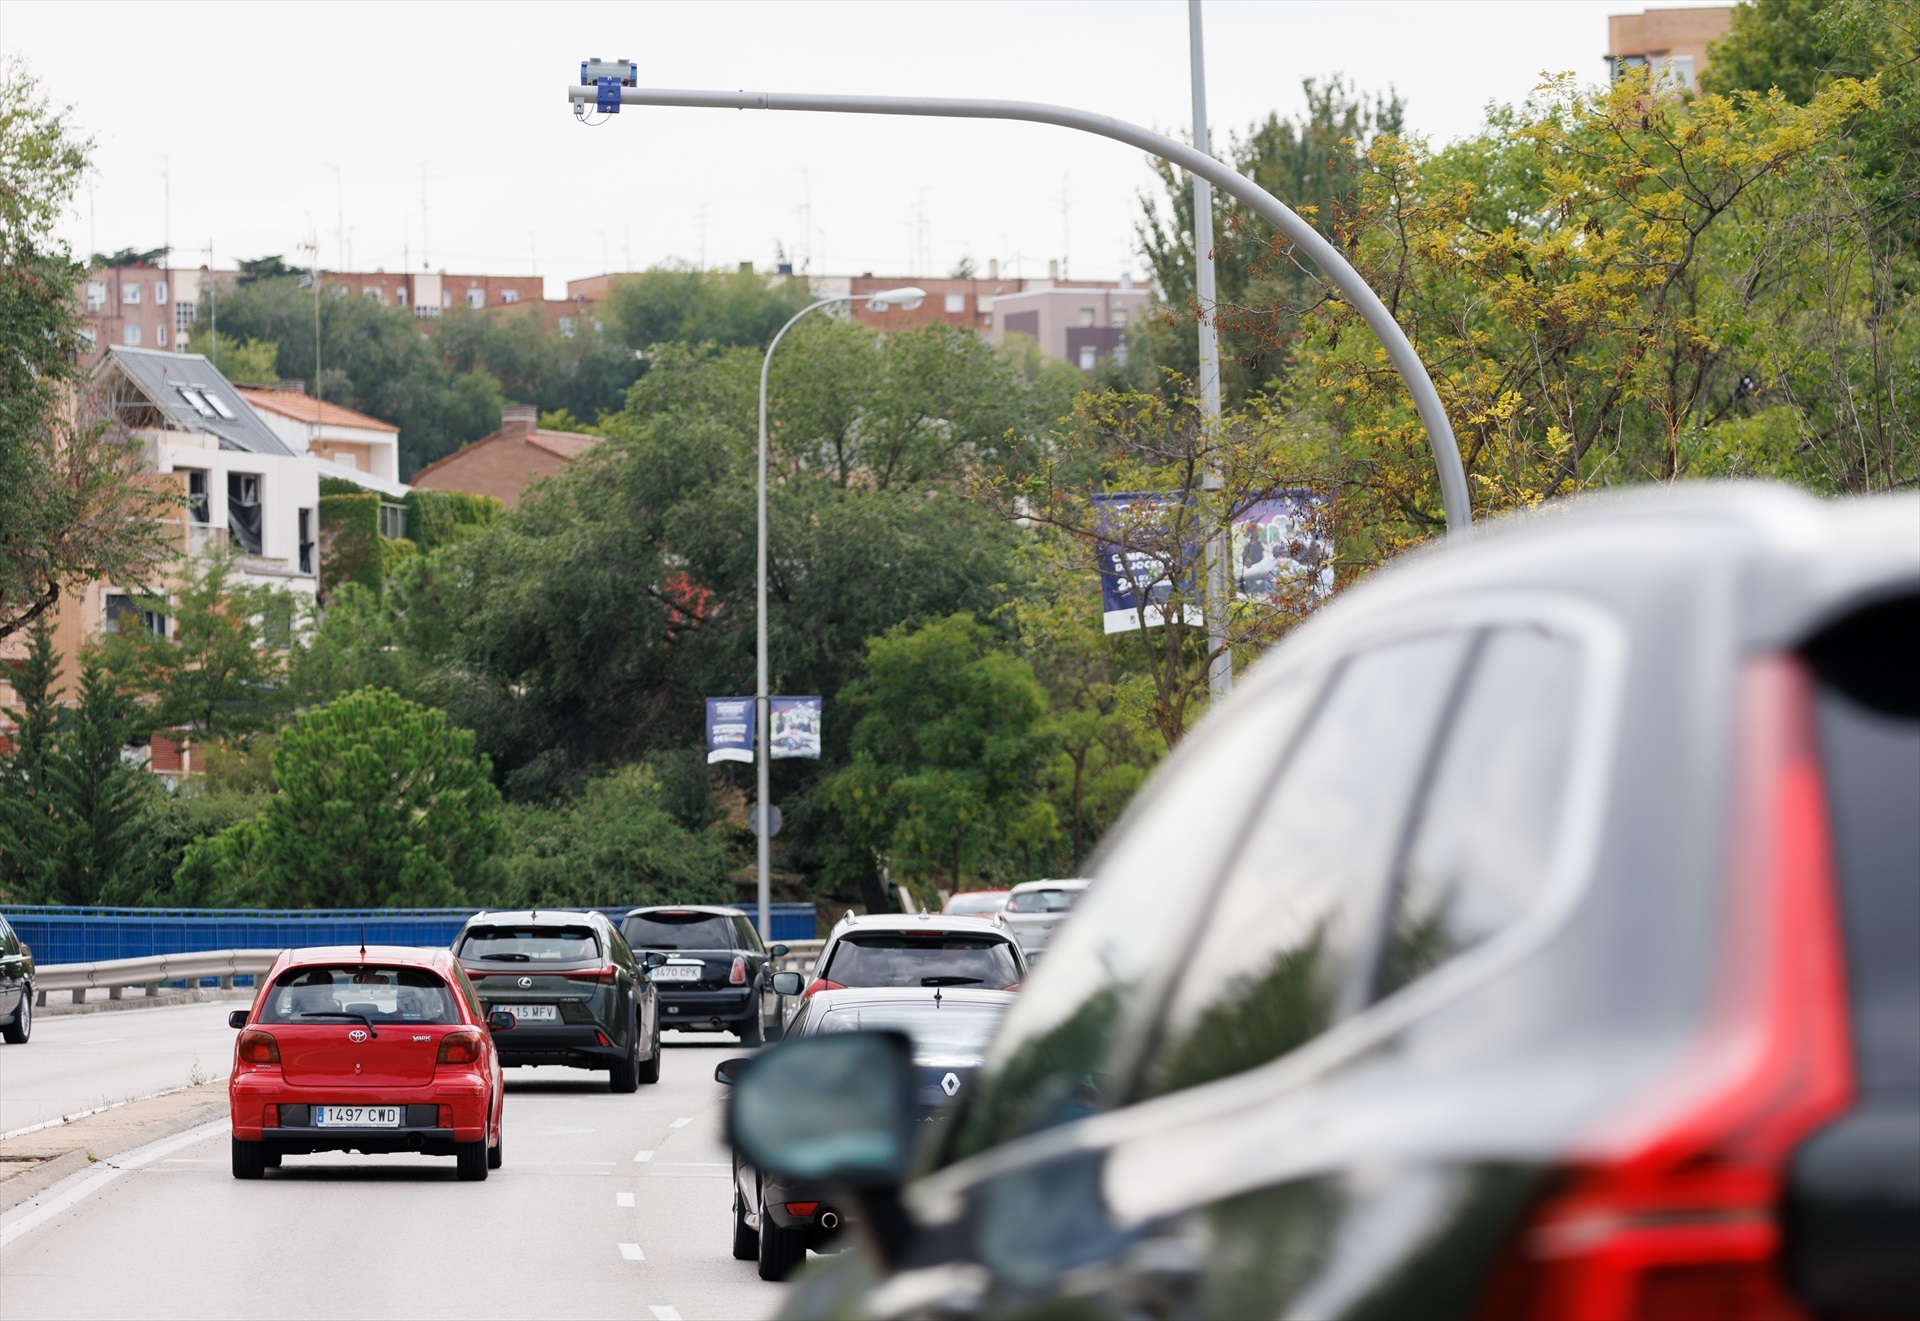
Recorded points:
606,974
445,1119
1014,987
821,984
738,975
802,1208
269,1116
460,1046
258,1047
1673,1212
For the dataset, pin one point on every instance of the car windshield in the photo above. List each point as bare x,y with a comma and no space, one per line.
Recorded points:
529,944
977,902
938,1030
912,958
344,992
671,930
1043,901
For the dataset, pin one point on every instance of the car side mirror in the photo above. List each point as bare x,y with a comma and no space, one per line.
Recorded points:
728,1071
655,959
786,983
501,1021
777,951
238,1017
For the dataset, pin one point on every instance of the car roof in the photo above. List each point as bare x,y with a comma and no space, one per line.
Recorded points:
967,924
717,910
535,917
957,894
1027,887
875,995
413,956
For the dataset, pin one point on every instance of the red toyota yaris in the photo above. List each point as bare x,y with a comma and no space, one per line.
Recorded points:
376,1049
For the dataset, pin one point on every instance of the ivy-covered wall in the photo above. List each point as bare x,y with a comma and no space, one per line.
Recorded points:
352,549
435,518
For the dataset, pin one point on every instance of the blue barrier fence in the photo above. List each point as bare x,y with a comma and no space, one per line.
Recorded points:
86,935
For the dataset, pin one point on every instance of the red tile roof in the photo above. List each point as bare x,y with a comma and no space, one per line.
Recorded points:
305,408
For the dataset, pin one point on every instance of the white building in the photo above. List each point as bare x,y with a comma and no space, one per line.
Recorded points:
348,444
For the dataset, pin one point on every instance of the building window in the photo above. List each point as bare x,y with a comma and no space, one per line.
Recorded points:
244,520
160,334
159,293
198,509
131,335
1120,317
569,326
956,303
306,541
375,294
476,298
446,298
130,293
219,405
509,295
1621,63
96,295
125,614
183,314
393,521
1087,357
1086,316
197,400
1678,69
400,296
87,336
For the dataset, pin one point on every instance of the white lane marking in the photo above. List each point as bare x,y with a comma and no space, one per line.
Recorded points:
631,1251
643,1156
681,1123
664,1311
96,1110
623,1199
93,1183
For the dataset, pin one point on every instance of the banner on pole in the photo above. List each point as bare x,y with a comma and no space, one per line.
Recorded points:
1279,546
1138,566
729,729
796,728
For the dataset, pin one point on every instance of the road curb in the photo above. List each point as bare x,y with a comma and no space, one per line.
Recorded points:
88,1144
59,1009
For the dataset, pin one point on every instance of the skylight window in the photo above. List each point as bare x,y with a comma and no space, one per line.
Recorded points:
220,406
198,401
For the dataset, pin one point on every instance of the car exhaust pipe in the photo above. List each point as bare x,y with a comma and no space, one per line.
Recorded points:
715,1023
829,1220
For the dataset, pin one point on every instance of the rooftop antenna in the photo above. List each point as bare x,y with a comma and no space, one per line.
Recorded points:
363,944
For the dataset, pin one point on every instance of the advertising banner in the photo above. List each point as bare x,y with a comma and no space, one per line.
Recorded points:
729,729
1278,548
1137,566
796,729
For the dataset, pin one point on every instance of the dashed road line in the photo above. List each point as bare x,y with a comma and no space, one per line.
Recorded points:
642,1157
623,1199
631,1251
664,1311
681,1123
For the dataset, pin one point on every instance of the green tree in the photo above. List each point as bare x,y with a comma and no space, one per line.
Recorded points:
32,830
97,794
244,360
380,803
583,373
681,305
949,743
169,825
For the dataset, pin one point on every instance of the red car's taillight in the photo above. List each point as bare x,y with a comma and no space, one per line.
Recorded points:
1673,1212
821,984
606,974
257,1047
738,975
460,1046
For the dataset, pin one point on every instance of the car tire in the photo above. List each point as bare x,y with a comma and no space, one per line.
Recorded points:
624,1077
781,1250
746,1239
470,1159
17,1032
753,1032
273,1159
498,1151
648,1070
249,1159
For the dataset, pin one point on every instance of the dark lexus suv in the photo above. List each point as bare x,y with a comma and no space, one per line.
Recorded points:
1532,935
716,976
578,995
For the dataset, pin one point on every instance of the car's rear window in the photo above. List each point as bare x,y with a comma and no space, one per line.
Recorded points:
942,1031
1042,901
1869,713
908,958
671,930
966,905
529,944
342,993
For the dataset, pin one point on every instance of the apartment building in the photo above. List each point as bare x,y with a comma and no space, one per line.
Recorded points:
138,306
430,294
1077,321
1673,42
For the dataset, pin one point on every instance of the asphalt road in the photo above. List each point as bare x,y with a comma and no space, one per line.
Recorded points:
82,1061
606,1206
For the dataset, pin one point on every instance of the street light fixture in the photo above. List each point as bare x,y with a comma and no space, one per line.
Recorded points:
906,299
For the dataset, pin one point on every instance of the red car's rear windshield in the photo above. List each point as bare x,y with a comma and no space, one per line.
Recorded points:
938,958
341,993
529,944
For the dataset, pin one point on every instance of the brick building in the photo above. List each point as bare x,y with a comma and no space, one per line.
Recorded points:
504,464
138,306
430,294
1673,41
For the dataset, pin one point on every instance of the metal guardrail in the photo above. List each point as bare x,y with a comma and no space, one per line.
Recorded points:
152,972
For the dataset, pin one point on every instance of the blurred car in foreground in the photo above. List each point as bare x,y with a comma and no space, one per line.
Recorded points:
1036,909
775,1220
375,1050
921,949
1532,936
715,969
578,994
975,903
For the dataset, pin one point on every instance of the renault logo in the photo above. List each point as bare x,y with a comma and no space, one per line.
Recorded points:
950,1084
525,982
359,1034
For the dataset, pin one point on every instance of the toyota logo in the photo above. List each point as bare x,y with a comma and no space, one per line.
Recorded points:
525,982
358,1035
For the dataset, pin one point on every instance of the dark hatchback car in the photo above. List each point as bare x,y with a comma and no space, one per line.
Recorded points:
16,986
578,995
1532,935
776,1220
715,974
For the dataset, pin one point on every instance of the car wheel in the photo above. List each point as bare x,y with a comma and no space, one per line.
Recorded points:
780,1249
21,1027
498,1151
625,1075
753,1032
746,1239
648,1070
470,1158
249,1159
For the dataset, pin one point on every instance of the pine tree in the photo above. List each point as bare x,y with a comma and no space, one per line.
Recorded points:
97,794
31,828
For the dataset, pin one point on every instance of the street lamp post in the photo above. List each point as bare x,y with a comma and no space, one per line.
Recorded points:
907,299
608,93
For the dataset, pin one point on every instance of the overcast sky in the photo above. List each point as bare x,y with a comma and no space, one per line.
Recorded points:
398,132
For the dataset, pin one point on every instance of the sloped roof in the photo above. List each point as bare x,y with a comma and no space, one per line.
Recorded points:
567,445
303,407
160,376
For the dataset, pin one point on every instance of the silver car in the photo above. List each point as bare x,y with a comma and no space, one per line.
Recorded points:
1036,909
